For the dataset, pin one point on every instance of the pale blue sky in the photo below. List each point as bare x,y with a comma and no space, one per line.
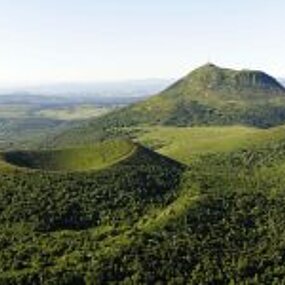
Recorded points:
44,41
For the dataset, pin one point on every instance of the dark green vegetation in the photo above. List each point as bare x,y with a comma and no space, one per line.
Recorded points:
149,220
95,208
208,96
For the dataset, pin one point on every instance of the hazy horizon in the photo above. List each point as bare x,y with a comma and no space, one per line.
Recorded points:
124,88
50,42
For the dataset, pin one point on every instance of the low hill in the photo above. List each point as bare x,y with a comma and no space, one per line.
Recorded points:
93,157
209,95
131,170
45,216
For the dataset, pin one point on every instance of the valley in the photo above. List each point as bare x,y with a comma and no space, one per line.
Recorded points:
26,120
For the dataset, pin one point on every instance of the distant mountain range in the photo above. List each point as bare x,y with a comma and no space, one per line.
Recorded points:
58,101
131,88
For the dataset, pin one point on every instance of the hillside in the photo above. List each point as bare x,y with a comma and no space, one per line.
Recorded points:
185,144
150,220
72,159
209,95
227,226
46,217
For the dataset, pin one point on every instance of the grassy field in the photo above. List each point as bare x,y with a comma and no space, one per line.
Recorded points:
15,110
73,113
184,144
93,157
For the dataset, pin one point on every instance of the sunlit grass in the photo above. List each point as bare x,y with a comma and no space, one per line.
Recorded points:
183,144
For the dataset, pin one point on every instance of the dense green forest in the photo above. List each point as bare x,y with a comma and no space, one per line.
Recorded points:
148,220
43,214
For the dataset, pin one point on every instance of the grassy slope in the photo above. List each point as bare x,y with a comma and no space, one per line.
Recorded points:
184,144
98,156
226,200
212,95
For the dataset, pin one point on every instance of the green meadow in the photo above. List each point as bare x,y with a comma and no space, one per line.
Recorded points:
80,112
184,144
